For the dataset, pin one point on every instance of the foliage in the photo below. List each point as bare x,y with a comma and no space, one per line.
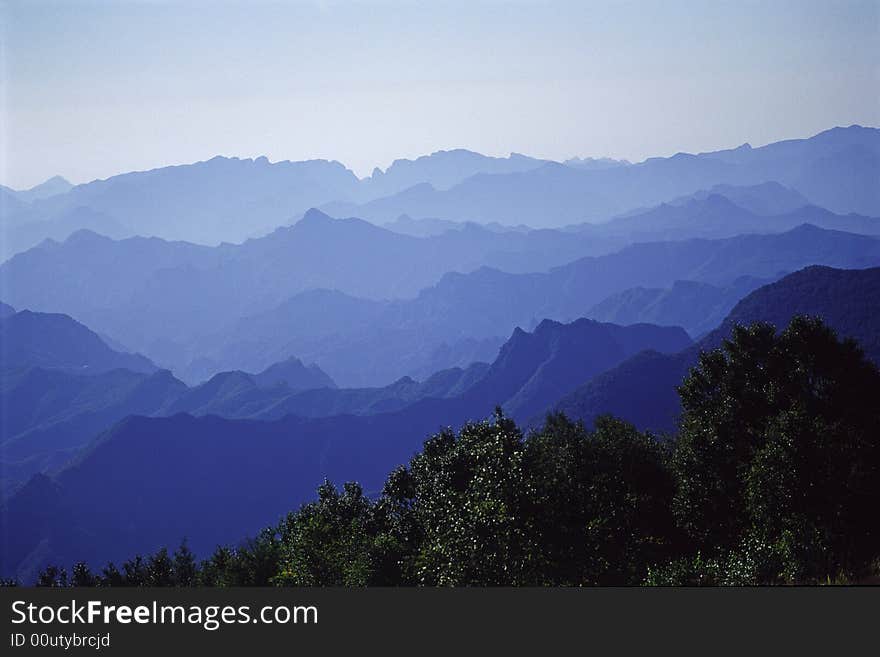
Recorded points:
779,447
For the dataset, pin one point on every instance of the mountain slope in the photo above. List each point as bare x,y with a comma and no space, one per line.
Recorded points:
716,216
441,170
152,294
51,187
48,414
56,341
696,307
642,389
222,199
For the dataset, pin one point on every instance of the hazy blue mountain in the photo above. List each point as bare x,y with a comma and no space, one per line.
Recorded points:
381,342
238,394
428,227
717,216
442,170
768,198
51,187
150,464
422,227
837,169
295,375
22,236
642,389
593,163
764,199
231,199
535,369
202,310
6,310
56,341
222,199
10,204
326,402
15,203
49,414
696,307
156,296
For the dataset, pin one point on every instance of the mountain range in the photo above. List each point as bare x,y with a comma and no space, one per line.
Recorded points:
213,340
200,310
231,199
279,461
837,169
50,409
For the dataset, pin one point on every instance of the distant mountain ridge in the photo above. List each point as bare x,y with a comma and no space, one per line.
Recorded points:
442,170
51,187
696,307
202,310
232,199
837,169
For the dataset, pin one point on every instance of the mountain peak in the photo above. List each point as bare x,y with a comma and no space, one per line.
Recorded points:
314,216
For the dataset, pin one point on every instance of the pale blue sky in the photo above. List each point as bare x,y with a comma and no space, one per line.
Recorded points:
96,88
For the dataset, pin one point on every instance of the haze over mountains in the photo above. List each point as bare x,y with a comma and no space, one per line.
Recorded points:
531,370
198,310
837,170
255,327
231,199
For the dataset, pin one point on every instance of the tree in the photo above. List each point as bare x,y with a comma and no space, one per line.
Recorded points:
466,495
185,567
82,575
597,503
328,542
52,576
779,453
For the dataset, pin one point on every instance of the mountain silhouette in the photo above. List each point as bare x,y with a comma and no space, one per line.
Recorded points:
837,169
221,199
377,343
716,216
441,170
56,341
696,307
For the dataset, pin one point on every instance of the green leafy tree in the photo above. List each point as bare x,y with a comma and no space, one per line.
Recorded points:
779,449
466,495
53,576
82,575
185,567
329,542
597,503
